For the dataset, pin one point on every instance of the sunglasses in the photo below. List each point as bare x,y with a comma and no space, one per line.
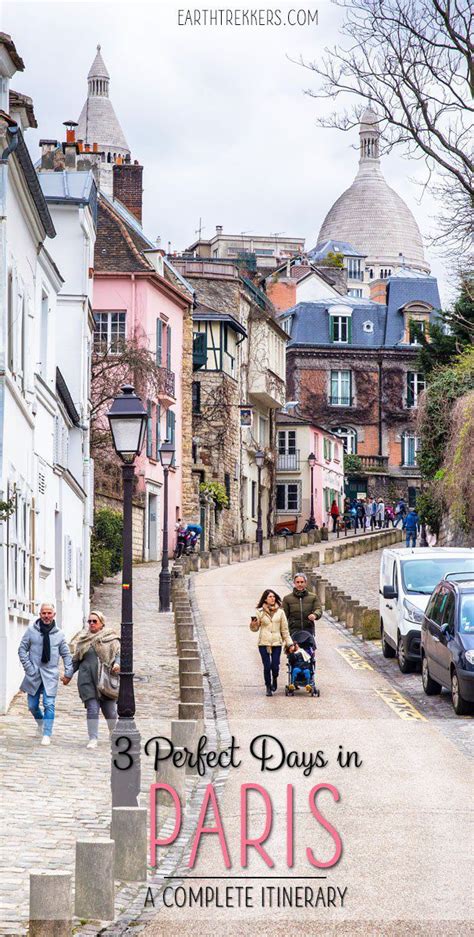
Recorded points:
92,621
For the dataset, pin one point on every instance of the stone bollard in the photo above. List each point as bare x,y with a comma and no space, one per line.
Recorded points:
328,556
128,831
312,536
184,733
194,564
358,616
324,533
317,536
224,554
50,904
370,628
281,544
169,773
244,552
205,560
273,544
296,541
337,554
304,540
350,606
321,591
265,547
191,711
289,542
189,665
191,694
236,553
191,679
216,558
94,899
329,596
254,551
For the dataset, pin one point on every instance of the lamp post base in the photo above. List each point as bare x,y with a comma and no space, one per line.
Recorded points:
165,590
125,744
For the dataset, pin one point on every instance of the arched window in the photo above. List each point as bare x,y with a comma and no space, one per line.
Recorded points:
348,437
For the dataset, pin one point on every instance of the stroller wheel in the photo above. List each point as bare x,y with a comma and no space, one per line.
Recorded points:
287,692
316,692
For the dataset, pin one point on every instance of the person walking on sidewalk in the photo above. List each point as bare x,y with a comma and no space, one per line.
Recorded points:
411,526
373,514
41,646
96,658
400,512
380,515
301,607
334,512
272,626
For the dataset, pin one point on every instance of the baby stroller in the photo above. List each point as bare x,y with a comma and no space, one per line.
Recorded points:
305,640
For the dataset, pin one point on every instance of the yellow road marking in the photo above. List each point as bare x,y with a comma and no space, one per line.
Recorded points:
399,704
354,659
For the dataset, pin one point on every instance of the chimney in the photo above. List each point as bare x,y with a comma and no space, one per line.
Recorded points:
378,291
219,229
48,148
128,188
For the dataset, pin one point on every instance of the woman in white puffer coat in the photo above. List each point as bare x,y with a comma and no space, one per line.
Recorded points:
271,623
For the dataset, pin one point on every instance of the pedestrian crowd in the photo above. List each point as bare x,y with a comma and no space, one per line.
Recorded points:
375,513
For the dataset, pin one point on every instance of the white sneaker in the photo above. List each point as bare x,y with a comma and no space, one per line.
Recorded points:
46,740
92,744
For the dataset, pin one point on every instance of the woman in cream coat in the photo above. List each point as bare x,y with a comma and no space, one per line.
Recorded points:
272,626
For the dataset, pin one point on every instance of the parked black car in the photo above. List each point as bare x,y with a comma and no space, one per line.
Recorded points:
447,641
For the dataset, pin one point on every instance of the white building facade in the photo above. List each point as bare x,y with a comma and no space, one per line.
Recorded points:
44,516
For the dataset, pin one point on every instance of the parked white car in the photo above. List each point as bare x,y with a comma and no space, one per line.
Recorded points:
407,579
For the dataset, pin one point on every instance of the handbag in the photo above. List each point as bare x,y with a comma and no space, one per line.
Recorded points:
107,682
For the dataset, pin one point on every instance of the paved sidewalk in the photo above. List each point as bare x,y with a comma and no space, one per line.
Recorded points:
359,577
53,796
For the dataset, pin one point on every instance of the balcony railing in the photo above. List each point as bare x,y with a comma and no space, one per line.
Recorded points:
343,400
374,462
288,461
166,383
356,275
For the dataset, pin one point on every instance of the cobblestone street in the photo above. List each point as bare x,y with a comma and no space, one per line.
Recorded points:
52,796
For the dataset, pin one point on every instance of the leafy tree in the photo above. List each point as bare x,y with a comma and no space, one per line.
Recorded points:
332,259
451,334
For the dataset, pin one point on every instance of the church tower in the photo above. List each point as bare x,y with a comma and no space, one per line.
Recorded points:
98,126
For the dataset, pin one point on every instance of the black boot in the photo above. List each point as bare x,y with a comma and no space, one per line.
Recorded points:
269,691
274,684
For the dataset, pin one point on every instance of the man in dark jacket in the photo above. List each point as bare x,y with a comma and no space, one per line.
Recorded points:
41,646
301,607
411,524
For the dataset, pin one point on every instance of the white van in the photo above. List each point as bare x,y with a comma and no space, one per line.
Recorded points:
407,579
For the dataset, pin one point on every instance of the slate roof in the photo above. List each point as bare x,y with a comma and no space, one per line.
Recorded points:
310,321
203,313
337,247
22,154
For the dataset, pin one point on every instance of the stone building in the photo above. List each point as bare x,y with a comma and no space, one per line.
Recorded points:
372,220
351,365
239,383
264,251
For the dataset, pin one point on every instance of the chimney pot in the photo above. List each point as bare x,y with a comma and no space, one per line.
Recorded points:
95,148
87,147
219,229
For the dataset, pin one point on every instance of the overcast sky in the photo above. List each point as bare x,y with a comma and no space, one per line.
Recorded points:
217,115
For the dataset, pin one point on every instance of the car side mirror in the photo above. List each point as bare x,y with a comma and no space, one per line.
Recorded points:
389,592
447,629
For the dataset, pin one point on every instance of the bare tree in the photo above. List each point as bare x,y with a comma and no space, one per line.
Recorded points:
413,60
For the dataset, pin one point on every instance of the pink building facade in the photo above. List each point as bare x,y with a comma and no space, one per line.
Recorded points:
145,307
297,439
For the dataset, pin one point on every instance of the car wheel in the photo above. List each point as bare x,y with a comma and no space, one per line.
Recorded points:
430,686
406,666
387,649
460,705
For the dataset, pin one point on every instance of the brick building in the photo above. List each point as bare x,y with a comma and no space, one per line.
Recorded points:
351,365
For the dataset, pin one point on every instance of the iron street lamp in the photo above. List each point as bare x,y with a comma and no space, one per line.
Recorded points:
312,463
166,459
259,460
128,419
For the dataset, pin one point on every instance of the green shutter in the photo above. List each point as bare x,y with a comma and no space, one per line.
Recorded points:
159,342
158,430
149,431
349,329
168,348
331,328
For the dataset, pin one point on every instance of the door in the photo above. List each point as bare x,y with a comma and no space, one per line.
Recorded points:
436,641
445,638
153,526
390,612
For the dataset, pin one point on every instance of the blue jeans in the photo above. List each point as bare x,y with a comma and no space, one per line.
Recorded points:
397,519
108,708
299,670
271,663
411,536
47,718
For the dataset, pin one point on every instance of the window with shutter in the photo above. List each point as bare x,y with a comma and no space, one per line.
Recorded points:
159,342
158,430
149,430
168,348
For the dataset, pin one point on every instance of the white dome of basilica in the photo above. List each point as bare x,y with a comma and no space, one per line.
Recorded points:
371,216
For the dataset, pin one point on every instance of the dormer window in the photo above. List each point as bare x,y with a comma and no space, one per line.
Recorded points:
340,329
416,330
